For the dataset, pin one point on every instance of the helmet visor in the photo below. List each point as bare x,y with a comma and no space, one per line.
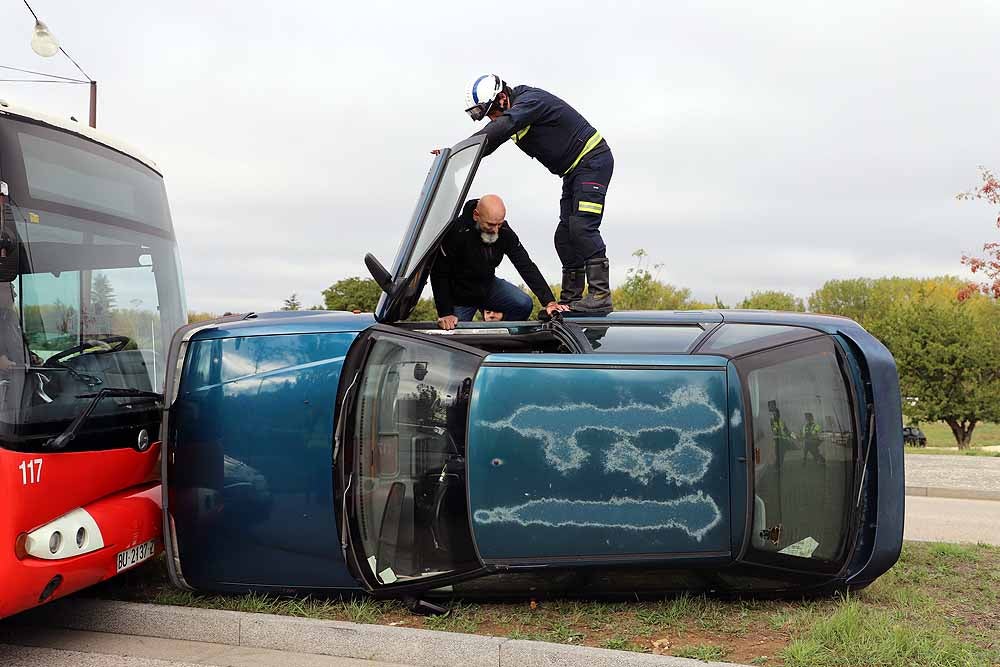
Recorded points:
479,111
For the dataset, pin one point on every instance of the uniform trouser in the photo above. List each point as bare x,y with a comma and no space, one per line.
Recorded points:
581,209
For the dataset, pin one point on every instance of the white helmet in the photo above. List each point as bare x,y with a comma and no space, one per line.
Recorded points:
482,94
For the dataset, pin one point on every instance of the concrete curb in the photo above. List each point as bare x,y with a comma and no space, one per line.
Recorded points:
420,648
941,492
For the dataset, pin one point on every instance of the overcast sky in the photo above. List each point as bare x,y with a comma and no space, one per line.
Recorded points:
766,145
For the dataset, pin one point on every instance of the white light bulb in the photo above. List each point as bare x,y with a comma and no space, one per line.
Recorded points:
43,42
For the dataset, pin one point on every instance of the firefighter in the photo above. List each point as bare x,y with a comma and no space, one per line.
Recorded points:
551,131
779,430
811,439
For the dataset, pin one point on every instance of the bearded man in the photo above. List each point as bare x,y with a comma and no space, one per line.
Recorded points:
464,279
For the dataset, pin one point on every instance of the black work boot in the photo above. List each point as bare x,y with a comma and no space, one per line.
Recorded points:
572,285
598,299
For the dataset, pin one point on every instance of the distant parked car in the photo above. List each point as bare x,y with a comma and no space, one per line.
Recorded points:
914,437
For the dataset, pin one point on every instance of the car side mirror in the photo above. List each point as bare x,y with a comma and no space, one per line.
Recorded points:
382,277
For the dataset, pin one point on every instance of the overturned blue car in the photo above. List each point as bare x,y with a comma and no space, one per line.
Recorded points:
638,453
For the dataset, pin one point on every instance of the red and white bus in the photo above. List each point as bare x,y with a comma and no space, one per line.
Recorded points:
90,293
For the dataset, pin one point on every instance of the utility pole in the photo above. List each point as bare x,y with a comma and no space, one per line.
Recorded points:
45,44
93,104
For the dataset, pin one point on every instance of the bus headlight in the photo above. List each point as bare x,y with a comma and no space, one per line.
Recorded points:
70,535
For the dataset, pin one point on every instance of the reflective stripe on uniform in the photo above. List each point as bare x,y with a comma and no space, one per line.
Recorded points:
591,207
589,146
520,135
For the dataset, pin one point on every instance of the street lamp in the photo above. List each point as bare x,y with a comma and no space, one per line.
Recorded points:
45,44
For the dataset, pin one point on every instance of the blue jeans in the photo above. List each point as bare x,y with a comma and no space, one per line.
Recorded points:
503,297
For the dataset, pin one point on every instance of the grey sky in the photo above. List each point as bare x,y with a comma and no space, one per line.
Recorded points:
769,145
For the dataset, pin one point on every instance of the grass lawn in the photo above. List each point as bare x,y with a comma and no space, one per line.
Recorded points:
940,605
939,436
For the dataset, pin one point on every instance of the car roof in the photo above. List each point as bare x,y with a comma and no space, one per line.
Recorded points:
732,316
319,321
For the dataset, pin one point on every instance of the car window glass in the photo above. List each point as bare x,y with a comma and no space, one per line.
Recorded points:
642,339
804,449
446,200
736,339
410,437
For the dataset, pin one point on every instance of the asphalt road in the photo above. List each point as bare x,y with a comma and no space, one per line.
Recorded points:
31,647
952,520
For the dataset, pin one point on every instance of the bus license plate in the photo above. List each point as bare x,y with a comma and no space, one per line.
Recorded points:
135,555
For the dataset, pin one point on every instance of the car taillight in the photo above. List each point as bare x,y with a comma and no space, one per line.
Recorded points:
21,546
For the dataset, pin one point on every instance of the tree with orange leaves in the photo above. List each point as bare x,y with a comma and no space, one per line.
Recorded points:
989,263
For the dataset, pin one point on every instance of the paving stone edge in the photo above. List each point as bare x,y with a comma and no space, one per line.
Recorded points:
420,648
945,492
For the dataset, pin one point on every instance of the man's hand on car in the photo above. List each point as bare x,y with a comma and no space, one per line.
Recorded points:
448,322
554,306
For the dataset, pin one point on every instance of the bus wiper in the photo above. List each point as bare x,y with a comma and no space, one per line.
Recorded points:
60,441
89,380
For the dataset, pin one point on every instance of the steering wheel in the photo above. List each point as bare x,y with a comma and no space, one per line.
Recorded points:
103,345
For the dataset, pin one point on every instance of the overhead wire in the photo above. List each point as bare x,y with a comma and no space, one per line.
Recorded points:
53,76
64,52
42,81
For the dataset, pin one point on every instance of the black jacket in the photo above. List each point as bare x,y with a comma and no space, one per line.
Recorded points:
465,266
544,127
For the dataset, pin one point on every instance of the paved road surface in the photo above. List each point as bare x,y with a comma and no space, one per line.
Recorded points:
33,647
952,520
980,473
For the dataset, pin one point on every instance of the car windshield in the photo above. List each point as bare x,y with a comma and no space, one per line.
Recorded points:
804,453
409,437
93,294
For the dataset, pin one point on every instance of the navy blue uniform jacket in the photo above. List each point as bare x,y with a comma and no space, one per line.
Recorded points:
544,127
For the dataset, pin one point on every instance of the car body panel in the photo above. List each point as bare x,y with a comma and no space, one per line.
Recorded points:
242,434
613,459
251,481
740,500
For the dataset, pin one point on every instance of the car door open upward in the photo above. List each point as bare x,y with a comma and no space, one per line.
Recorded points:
440,201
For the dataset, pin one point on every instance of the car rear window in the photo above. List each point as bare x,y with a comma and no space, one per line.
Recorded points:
736,339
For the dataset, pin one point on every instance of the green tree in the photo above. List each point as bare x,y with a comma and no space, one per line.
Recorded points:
946,352
535,303
424,311
643,291
867,300
292,303
200,316
102,302
773,300
851,298
989,263
352,294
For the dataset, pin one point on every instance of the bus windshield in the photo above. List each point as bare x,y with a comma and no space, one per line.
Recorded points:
90,287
